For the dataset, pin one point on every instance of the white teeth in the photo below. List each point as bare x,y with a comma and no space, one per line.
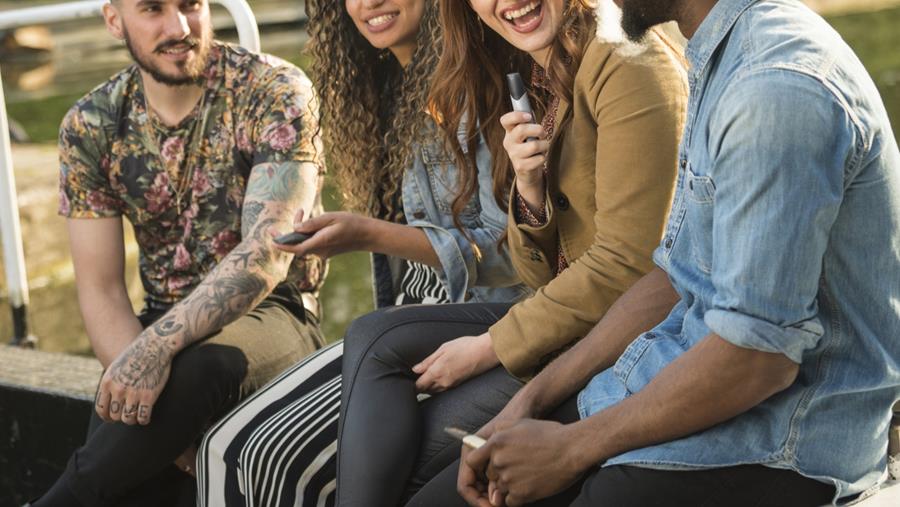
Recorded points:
518,13
380,20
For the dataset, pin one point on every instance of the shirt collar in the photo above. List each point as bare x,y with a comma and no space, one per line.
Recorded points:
712,31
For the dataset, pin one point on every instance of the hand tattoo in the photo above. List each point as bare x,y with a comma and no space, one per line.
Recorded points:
143,365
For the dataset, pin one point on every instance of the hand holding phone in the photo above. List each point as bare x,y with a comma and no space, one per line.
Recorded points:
291,238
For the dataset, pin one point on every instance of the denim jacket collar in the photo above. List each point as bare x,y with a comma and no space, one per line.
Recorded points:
711,32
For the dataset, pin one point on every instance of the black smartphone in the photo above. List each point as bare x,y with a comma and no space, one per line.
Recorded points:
292,238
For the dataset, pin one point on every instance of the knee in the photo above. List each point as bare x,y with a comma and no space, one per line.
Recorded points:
364,333
209,367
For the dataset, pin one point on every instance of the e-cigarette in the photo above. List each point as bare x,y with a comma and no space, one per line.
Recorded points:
469,440
291,238
519,96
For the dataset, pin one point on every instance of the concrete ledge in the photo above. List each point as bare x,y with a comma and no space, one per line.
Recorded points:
50,373
45,406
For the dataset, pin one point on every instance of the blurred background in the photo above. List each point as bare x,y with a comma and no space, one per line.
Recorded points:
45,69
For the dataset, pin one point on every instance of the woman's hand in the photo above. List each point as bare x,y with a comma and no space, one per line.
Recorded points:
454,362
330,233
527,157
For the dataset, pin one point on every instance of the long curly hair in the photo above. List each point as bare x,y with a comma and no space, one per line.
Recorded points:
470,82
373,111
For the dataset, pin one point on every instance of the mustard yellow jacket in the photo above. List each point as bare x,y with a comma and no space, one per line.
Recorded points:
612,169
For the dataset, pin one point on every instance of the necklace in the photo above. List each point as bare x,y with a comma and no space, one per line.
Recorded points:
180,167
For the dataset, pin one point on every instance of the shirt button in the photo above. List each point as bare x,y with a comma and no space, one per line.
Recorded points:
536,255
562,202
668,243
683,163
419,215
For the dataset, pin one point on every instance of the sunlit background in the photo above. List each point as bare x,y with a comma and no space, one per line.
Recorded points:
46,69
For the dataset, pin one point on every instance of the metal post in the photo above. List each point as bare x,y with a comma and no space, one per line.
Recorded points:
10,230
11,236
244,21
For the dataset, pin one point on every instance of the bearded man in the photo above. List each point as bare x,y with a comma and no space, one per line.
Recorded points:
207,149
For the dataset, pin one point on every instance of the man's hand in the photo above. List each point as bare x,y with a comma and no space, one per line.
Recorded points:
526,461
454,362
132,383
471,482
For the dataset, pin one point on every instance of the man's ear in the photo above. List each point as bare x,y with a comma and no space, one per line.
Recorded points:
113,19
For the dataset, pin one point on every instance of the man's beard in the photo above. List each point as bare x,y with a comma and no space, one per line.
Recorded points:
639,16
192,69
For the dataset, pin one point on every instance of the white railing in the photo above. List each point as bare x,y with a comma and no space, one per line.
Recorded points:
10,231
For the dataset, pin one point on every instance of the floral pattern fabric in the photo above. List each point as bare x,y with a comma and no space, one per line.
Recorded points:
182,187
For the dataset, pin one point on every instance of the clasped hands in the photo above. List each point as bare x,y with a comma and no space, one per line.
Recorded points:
524,460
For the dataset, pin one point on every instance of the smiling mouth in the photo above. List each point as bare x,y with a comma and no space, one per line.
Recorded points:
524,15
177,49
381,20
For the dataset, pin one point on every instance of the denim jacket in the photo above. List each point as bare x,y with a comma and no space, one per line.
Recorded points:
784,237
428,190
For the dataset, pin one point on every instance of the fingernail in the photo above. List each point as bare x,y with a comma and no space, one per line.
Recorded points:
528,117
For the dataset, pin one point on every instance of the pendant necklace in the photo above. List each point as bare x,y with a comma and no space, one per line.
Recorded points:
183,167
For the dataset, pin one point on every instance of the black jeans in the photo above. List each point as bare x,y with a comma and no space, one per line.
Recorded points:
390,444
123,465
629,486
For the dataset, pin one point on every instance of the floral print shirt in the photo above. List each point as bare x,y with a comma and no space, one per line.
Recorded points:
182,187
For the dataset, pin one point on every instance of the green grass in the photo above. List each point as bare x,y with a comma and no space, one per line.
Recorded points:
875,38
42,127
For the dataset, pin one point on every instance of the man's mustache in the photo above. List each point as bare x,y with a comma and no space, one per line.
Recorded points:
192,42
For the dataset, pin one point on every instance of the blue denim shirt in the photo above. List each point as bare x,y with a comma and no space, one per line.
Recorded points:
429,188
784,237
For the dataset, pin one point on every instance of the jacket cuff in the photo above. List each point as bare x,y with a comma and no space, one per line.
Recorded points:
511,349
457,262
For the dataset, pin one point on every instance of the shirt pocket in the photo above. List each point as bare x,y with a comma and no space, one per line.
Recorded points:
700,191
625,365
443,178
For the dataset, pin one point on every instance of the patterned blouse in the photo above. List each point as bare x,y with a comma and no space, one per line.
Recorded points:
182,187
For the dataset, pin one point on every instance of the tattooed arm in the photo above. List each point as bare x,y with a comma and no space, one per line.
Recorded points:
242,279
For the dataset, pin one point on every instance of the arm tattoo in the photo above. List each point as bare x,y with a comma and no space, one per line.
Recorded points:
274,182
247,274
250,216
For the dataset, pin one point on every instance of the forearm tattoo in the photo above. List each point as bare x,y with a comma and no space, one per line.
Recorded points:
250,271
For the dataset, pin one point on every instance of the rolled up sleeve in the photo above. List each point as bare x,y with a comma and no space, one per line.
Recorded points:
471,256
778,166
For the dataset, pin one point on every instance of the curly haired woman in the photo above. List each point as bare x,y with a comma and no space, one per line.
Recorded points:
434,235
594,169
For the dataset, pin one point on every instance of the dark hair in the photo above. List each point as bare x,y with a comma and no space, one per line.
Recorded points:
363,91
